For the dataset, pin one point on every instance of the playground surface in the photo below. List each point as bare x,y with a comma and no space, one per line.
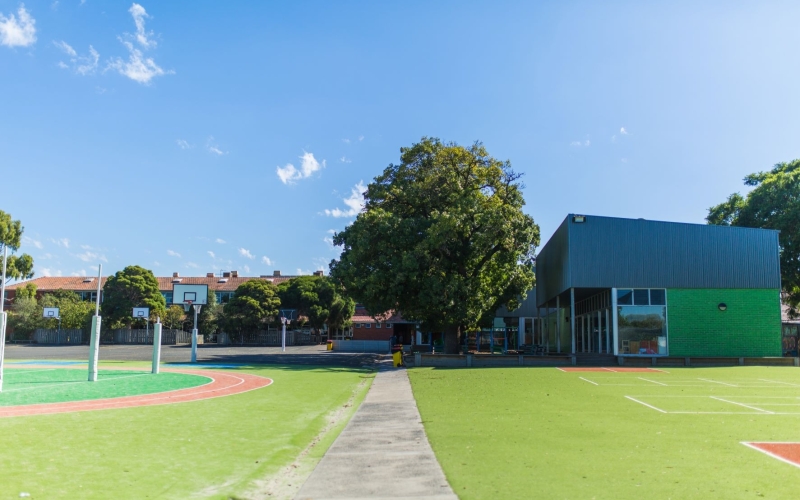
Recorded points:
228,445
729,432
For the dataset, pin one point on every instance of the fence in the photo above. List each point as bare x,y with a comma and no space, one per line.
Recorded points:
270,337
168,337
375,346
48,336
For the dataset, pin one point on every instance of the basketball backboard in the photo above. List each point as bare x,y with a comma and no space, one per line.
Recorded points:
50,313
196,294
141,312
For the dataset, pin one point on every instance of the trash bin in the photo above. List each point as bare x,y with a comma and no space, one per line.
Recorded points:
330,345
397,359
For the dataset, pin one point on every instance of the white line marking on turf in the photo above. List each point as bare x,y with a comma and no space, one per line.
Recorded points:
765,452
559,368
587,380
653,381
645,404
741,404
778,382
609,369
715,382
60,384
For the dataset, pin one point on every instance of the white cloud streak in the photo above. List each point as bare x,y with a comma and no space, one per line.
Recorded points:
246,253
266,260
183,144
63,242
142,36
19,30
354,203
623,131
220,241
308,166
212,254
173,253
82,65
91,257
138,67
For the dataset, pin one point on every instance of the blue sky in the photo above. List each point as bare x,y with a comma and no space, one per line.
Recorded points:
207,136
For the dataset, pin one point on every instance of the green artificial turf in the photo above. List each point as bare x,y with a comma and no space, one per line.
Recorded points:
543,433
216,448
57,385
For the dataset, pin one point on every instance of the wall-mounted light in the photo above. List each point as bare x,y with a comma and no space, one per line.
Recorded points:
723,306
579,218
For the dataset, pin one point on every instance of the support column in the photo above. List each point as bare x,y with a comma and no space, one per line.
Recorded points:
156,347
599,332
572,318
558,324
614,321
608,334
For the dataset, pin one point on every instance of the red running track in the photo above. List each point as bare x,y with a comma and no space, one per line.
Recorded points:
222,384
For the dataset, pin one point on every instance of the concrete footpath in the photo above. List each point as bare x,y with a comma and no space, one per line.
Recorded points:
382,453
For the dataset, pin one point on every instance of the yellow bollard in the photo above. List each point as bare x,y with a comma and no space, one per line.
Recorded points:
330,346
397,359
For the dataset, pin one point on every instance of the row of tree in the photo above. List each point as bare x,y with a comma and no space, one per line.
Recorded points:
255,305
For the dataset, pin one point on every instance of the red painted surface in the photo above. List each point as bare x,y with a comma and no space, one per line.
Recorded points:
787,452
222,384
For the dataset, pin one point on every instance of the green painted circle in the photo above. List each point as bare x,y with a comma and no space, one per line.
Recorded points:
29,386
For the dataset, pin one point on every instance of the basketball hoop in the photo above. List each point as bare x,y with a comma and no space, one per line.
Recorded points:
187,305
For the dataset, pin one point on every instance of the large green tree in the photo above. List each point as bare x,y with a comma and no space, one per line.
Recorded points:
74,312
19,267
442,238
773,203
132,287
319,299
253,306
207,320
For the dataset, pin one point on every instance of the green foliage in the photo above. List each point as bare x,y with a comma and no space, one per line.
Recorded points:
132,287
75,313
26,316
27,291
317,298
209,315
173,318
253,306
774,203
443,238
17,267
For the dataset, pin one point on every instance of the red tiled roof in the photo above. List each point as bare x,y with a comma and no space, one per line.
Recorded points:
79,283
362,316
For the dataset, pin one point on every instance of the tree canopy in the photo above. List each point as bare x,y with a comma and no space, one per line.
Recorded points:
132,287
773,203
74,312
442,238
254,304
319,299
18,267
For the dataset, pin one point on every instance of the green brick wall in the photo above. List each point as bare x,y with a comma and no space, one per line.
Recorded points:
750,327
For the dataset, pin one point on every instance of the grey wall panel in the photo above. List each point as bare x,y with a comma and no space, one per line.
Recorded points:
611,252
552,265
526,310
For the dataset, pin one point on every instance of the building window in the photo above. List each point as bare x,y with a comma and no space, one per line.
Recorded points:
167,297
360,325
642,321
377,325
367,325
388,325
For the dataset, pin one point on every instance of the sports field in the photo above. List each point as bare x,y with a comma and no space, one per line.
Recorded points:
600,433
240,445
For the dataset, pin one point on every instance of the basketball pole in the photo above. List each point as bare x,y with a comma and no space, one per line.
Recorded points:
94,339
156,345
194,334
3,317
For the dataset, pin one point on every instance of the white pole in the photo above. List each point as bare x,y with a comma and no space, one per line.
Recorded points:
283,335
3,317
156,345
194,335
94,339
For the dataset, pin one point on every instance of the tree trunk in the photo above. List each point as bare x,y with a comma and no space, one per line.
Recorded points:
452,340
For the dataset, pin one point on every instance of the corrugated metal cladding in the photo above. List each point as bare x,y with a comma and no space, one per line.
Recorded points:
526,310
611,252
552,264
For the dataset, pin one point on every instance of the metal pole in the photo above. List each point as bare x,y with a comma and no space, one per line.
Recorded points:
3,317
614,321
558,324
94,339
156,346
572,318
283,334
194,334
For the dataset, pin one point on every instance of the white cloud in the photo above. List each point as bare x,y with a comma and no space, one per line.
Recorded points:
173,253
246,268
213,256
344,159
157,263
36,243
308,165
329,239
192,265
82,65
246,253
184,144
266,260
587,143
142,36
82,272
63,242
623,131
212,147
138,67
17,31
300,272
91,257
46,272
354,202
581,144
360,138
346,141
220,241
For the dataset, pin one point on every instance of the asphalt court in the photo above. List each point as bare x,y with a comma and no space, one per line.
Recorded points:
686,392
